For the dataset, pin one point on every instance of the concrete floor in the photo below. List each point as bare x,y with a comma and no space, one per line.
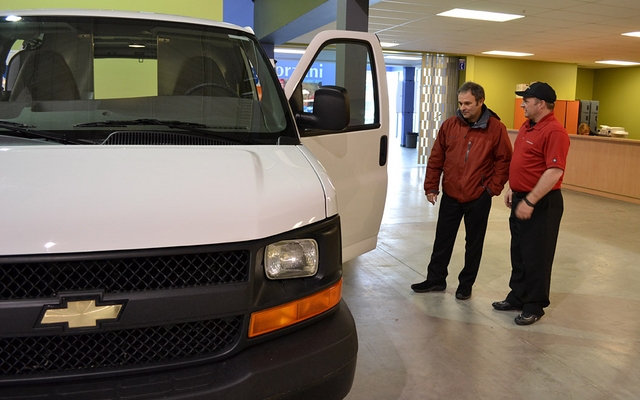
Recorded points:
432,346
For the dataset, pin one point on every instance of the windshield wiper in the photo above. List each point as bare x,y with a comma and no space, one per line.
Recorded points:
26,130
195,129
141,121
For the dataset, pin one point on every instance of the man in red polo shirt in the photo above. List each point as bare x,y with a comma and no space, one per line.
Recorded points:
535,176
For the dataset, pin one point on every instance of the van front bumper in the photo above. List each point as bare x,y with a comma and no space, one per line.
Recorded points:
315,362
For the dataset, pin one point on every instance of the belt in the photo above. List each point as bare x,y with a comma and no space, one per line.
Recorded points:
519,194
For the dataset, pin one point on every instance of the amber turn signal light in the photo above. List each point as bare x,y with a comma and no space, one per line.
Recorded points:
279,317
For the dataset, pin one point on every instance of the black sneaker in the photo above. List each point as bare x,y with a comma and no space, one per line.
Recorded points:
426,286
526,319
463,293
504,306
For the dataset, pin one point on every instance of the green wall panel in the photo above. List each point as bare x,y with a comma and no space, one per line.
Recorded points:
209,9
584,84
617,90
499,78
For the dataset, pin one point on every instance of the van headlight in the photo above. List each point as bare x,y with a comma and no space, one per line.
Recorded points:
291,259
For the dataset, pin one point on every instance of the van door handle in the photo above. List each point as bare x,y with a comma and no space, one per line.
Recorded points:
384,150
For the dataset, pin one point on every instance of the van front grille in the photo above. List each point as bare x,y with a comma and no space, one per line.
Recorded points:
132,347
42,276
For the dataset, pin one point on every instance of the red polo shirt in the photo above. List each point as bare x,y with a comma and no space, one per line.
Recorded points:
536,149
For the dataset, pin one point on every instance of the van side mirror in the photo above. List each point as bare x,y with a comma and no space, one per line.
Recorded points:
331,110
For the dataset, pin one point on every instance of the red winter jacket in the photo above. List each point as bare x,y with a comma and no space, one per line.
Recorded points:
471,159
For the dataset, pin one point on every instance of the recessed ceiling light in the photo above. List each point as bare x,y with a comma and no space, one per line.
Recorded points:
615,62
506,53
288,51
634,34
13,18
389,44
481,15
407,58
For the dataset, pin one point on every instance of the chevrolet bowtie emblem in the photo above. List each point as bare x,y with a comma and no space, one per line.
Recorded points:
81,314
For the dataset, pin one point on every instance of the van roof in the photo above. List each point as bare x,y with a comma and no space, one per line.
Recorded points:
77,12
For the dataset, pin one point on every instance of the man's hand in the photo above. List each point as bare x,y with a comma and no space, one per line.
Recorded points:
432,197
507,198
523,210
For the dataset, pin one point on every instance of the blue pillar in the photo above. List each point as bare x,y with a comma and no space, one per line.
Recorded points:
239,12
408,94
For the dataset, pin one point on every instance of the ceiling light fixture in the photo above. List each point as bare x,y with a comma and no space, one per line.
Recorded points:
288,51
13,18
480,15
616,62
389,44
506,53
633,34
406,58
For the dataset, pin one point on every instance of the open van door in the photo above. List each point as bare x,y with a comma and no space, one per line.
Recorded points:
355,156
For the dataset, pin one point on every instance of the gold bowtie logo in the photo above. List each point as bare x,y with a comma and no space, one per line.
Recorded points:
81,314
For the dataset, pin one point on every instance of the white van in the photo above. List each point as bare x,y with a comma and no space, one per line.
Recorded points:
173,222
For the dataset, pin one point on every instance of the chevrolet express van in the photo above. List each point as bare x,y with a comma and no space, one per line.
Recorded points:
172,222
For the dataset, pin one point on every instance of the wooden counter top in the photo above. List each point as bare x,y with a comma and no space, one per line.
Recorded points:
601,165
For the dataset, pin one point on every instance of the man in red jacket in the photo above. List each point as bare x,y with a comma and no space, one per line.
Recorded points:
472,154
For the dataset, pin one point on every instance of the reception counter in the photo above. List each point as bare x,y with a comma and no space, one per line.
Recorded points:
603,166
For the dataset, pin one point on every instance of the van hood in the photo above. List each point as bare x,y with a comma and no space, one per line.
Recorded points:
62,199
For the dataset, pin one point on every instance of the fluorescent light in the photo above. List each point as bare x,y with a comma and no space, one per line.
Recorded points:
506,53
615,62
13,18
408,58
481,15
389,44
136,46
288,51
634,34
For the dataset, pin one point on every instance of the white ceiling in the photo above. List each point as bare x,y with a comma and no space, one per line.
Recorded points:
569,31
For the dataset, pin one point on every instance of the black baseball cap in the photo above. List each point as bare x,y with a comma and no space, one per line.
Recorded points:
539,90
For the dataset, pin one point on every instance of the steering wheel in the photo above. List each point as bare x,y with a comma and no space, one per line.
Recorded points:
202,86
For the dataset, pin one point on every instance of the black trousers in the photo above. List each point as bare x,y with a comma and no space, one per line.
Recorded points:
533,247
476,216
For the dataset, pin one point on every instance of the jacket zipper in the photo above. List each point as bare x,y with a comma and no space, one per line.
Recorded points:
466,157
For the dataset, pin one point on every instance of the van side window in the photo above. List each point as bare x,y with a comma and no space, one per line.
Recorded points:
346,65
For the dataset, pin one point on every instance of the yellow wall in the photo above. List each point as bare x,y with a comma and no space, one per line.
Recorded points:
209,9
140,79
499,78
584,84
617,90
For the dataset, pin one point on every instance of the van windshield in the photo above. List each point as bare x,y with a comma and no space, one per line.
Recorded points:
92,80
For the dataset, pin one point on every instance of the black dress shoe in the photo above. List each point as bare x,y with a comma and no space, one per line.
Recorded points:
526,319
427,286
463,293
504,306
